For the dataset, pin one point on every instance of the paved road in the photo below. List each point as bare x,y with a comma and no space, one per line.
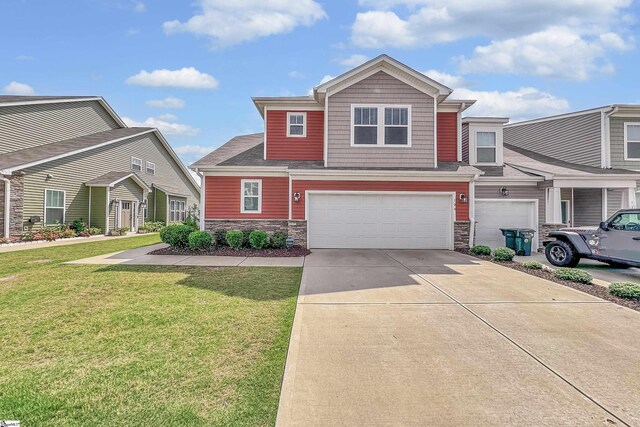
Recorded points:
438,338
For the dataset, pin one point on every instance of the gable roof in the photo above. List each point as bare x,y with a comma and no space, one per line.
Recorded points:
169,190
110,179
231,148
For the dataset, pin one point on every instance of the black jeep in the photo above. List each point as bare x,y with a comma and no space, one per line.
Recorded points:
616,242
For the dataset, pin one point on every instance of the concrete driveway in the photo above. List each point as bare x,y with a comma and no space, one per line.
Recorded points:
439,338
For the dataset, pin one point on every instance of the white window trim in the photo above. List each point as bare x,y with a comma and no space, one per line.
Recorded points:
242,209
381,125
64,206
179,210
304,124
473,149
146,168
626,156
139,160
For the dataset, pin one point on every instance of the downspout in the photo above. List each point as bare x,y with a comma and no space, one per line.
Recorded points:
472,209
89,216
459,130
607,137
202,198
7,206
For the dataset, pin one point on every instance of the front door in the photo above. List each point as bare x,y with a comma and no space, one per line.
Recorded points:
125,215
622,239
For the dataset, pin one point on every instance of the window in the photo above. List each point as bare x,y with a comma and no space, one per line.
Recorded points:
136,164
297,125
392,129
177,211
54,207
486,147
251,196
150,168
632,141
626,222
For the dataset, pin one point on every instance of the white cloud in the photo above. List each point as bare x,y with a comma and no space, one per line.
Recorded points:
168,117
448,80
556,52
325,79
193,149
187,77
133,32
15,88
231,22
163,126
139,6
24,58
353,61
168,102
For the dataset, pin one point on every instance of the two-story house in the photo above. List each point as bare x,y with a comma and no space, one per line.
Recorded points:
379,157
73,158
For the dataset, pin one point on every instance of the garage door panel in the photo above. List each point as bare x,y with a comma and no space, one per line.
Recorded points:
493,215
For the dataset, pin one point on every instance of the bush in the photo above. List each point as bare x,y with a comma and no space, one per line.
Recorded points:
533,265
246,243
625,290
199,241
278,240
220,237
258,239
152,226
503,254
69,233
78,225
27,236
480,250
191,222
94,231
176,235
50,234
573,275
235,238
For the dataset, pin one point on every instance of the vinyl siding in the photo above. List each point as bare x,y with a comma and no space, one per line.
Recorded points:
573,139
127,191
281,147
223,201
465,142
616,129
160,206
28,126
300,186
517,192
587,207
380,88
447,137
72,172
98,207
614,200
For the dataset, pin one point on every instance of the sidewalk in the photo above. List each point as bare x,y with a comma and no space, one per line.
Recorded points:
139,257
64,242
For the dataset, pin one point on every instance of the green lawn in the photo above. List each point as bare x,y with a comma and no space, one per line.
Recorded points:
140,345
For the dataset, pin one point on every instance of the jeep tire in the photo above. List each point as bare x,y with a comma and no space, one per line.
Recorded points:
561,254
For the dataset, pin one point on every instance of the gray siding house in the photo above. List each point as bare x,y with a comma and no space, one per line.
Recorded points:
70,158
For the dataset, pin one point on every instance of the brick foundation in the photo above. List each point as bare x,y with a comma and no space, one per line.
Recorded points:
461,233
294,228
16,205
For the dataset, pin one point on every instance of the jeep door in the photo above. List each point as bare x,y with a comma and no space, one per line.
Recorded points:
622,239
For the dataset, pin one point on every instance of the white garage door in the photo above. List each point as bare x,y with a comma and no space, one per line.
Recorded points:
382,221
492,215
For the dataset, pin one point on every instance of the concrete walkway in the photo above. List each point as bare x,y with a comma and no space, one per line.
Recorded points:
439,338
140,256
63,242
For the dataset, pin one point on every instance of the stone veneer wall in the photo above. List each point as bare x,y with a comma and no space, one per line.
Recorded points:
294,228
16,205
461,233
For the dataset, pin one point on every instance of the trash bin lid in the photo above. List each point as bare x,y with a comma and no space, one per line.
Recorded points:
526,230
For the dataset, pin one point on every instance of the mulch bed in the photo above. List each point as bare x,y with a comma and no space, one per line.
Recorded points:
295,251
595,290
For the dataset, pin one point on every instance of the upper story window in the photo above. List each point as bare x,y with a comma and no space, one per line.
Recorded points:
486,147
297,125
632,141
251,197
393,129
136,164
150,168
54,207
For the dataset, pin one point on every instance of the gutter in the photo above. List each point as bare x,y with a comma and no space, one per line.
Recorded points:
7,203
459,130
472,210
607,137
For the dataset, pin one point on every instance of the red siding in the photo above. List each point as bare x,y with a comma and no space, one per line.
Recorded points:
300,186
447,137
279,147
222,198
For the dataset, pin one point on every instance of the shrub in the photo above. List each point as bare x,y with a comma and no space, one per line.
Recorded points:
151,227
93,231
480,250
27,236
235,238
50,235
191,222
278,240
176,235
78,225
199,241
84,234
246,243
533,265
503,254
69,233
573,275
625,290
258,239
220,237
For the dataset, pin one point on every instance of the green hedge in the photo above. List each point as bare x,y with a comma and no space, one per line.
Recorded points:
573,275
176,235
258,239
200,241
480,250
533,265
626,290
503,254
278,240
235,238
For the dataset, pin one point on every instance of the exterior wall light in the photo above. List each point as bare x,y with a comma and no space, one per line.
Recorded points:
463,198
296,197
504,191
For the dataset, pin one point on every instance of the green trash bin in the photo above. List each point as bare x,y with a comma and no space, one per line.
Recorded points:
510,235
519,239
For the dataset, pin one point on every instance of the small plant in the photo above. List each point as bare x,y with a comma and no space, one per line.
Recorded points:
503,254
220,236
50,235
258,239
176,235
191,221
68,233
626,290
235,238
94,231
200,241
573,275
278,240
84,234
152,226
78,225
480,250
533,265
4,241
27,236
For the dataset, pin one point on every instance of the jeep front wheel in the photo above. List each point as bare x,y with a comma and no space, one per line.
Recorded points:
561,254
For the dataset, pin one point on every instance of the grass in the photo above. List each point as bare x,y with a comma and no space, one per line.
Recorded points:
140,345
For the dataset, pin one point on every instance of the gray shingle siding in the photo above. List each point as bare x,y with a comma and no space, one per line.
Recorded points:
465,142
616,129
587,208
574,139
614,200
380,88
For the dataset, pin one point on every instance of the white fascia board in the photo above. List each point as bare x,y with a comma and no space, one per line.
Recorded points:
353,175
594,182
493,180
49,101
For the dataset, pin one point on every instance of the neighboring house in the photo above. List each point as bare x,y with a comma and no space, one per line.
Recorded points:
378,157
70,158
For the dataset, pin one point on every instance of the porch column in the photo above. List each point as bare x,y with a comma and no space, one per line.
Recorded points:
629,198
554,206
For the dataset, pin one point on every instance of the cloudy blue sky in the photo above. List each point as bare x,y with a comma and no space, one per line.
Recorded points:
190,67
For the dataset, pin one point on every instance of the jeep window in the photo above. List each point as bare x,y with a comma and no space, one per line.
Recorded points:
627,221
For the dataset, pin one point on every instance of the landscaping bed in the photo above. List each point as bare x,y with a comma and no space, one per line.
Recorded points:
295,251
594,290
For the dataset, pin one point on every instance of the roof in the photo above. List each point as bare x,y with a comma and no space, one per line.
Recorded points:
33,156
505,171
32,99
233,147
303,102
613,108
110,179
172,191
501,120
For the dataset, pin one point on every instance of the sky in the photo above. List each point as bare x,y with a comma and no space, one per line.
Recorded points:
191,67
